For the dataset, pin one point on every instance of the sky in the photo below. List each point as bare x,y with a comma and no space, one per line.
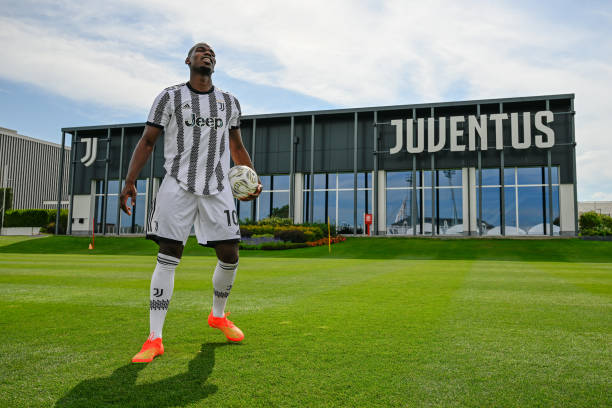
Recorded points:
70,63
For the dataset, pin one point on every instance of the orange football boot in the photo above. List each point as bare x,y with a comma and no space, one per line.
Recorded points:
150,349
228,328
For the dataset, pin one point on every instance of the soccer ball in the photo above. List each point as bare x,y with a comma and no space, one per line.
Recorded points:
243,181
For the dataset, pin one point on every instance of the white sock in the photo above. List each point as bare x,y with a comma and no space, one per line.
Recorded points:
162,284
223,279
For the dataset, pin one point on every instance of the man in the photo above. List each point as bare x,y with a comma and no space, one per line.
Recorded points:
201,127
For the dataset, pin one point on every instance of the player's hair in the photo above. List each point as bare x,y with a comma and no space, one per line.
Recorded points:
194,47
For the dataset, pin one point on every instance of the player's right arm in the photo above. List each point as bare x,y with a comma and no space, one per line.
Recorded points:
139,159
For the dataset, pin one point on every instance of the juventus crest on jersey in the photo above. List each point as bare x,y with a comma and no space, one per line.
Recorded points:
196,135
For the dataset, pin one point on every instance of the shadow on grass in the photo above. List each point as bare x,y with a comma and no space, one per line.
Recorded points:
120,389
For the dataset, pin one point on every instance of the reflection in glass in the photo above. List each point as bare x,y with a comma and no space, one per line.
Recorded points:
490,177
281,182
449,178
244,210
529,175
450,211
280,204
345,212
263,205
510,211
490,220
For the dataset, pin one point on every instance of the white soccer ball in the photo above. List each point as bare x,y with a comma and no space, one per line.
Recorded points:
243,181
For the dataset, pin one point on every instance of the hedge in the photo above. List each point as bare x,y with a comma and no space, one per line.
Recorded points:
594,224
36,218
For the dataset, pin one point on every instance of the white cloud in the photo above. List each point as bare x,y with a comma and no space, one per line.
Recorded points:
347,53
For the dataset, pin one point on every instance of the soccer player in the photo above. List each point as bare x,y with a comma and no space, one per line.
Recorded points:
201,126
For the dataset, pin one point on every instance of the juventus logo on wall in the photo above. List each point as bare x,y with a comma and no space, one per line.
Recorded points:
91,150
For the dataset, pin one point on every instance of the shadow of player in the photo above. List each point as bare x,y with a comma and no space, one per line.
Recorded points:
120,388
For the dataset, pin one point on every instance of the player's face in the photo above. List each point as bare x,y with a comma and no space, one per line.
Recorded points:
202,59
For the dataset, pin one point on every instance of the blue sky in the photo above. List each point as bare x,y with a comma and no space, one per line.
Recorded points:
68,63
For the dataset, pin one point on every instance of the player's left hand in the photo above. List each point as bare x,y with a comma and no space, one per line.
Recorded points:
254,195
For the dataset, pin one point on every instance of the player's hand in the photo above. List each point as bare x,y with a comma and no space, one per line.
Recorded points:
254,195
129,191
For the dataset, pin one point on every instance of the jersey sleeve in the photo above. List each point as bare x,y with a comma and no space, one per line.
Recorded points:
159,116
236,115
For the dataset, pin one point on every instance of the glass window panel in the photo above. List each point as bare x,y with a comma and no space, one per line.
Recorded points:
331,180
510,211
111,212
141,186
399,178
113,186
280,204
449,178
450,211
532,210
509,176
427,175
362,178
265,181
319,180
319,206
529,175
245,210
490,220
346,180
490,177
263,205
345,212
399,212
364,205
555,200
281,182
555,175
427,218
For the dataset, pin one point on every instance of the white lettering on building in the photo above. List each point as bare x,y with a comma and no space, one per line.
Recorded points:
477,126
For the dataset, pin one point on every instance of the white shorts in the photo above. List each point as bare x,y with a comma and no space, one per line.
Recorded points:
176,210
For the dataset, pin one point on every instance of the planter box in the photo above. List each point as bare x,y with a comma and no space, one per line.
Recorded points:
21,231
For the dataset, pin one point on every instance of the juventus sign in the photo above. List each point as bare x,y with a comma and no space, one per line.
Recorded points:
477,127
91,151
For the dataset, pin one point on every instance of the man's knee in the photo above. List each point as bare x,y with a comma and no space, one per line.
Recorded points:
171,248
227,252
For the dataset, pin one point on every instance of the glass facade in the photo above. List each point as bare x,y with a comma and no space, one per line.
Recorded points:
130,224
333,198
526,201
272,202
402,207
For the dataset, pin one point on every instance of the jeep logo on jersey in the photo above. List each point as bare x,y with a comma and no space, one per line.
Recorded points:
199,121
91,150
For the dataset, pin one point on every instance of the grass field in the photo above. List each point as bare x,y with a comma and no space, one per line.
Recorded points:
379,322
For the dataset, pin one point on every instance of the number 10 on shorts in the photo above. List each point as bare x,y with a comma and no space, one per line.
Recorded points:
233,218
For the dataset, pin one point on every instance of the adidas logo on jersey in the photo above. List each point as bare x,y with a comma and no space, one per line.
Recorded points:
199,121
186,106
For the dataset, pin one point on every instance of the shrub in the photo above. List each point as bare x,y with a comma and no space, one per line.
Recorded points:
275,221
291,235
26,218
606,221
590,220
8,195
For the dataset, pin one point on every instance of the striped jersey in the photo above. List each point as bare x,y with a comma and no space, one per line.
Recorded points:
196,135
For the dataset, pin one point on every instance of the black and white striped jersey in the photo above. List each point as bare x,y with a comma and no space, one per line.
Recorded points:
196,135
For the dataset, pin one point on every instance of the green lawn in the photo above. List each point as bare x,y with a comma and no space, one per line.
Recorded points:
379,322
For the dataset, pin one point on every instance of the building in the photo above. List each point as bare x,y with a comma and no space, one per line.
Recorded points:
32,168
486,167
600,207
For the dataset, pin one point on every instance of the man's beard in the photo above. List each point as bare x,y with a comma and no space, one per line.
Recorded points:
204,70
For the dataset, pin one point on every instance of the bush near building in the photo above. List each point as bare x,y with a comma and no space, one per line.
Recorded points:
595,224
36,218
